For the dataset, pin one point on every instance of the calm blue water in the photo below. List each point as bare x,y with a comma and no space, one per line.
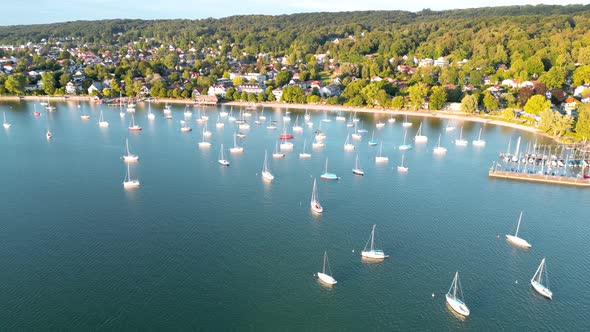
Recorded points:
201,246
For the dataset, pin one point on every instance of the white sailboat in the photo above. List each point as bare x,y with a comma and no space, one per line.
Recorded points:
461,141
439,149
203,143
129,182
317,144
455,299
347,145
479,141
379,124
419,138
236,148
132,125
328,176
373,141
405,146
540,281
262,116
357,170
286,145
372,253
406,124
184,126
187,112
449,127
48,134
306,116
222,161
314,203
150,115
206,131
401,168
356,134
128,156
304,154
380,158
514,239
49,107
340,117
296,127
219,124
223,113
266,174
325,277
101,122
6,124
276,153
391,119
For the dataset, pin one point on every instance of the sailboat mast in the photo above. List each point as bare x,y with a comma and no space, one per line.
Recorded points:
324,269
372,237
518,226
455,285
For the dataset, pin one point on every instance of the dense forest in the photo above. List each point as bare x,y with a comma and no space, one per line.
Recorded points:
549,45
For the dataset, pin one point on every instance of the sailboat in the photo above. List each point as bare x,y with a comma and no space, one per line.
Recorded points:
132,125
286,145
167,109
357,170
304,154
406,124
391,119
236,148
276,153
199,118
455,301
356,134
187,112
150,115
204,143
405,146
35,112
129,182
266,174
223,113
461,141
48,134
101,122
129,157
317,143
297,128
380,158
439,149
479,141
206,131
340,117
6,124
401,168
347,145
514,239
328,176
49,107
262,116
326,119
84,115
326,278
219,124
306,116
373,141
449,127
315,204
184,126
372,253
380,124
231,116
540,281
222,161
419,138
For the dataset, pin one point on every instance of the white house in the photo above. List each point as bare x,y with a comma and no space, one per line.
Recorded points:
578,91
441,62
71,88
217,90
330,90
513,83
95,86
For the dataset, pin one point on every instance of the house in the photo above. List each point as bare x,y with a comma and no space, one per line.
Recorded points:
330,91
586,98
95,87
426,62
206,99
296,77
197,92
579,89
218,90
376,79
71,88
406,70
278,93
441,62
511,82
570,105
254,88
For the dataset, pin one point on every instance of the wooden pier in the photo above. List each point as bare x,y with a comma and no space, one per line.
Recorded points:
551,179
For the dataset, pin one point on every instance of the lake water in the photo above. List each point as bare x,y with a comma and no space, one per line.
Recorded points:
201,246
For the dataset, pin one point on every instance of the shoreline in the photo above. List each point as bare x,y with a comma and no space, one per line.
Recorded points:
459,116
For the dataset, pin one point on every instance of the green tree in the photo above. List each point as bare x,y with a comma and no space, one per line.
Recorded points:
15,84
398,102
238,80
49,83
293,94
469,104
537,104
581,75
583,124
417,94
229,93
508,114
534,66
283,77
490,102
438,98
554,78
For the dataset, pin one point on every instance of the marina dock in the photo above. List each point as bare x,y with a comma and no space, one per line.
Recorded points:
535,177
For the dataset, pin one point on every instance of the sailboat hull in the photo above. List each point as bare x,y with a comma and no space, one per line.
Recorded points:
402,169
326,279
457,306
316,207
542,290
267,175
515,240
131,183
374,255
358,171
